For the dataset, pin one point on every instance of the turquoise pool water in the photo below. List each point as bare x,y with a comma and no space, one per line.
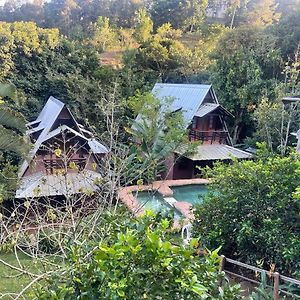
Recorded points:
155,202
193,193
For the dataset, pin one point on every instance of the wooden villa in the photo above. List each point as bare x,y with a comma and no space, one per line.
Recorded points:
205,120
65,158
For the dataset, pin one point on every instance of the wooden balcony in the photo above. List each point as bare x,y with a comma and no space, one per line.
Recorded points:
210,137
54,164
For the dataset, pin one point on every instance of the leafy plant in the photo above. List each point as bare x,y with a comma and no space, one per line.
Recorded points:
263,291
254,212
138,262
155,134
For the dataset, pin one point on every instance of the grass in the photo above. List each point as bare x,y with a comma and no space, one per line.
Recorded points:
11,280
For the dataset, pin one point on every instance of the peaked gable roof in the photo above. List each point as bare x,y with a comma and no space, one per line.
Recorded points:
185,97
44,124
207,108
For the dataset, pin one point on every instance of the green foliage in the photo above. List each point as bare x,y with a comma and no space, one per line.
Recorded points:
12,123
12,130
174,56
155,134
138,262
254,212
243,74
144,26
274,123
8,90
105,37
196,14
25,39
288,33
8,182
263,291
261,12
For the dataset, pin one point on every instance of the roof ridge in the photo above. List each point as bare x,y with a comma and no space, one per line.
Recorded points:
187,85
56,100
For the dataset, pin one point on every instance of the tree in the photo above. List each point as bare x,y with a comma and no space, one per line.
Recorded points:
168,11
287,31
253,213
274,124
144,26
12,130
23,39
196,13
261,12
12,123
105,37
275,121
154,135
244,70
292,73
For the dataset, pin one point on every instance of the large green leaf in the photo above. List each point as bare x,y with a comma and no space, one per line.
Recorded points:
12,119
10,141
8,90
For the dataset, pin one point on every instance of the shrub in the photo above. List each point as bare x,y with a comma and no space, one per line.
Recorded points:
138,262
254,212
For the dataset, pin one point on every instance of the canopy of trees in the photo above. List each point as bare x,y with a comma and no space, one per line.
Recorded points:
253,212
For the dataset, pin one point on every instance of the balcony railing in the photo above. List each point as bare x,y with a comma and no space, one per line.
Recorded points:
53,164
212,137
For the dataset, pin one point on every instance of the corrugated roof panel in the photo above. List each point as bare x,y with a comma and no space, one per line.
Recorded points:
96,147
53,185
187,97
52,107
206,108
218,152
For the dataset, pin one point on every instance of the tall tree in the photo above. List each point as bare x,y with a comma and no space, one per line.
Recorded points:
196,13
245,65
261,12
143,27
288,33
12,123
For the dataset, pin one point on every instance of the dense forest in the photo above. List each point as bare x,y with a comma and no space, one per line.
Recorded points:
79,51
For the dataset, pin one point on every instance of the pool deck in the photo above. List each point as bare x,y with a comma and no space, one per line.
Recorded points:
126,195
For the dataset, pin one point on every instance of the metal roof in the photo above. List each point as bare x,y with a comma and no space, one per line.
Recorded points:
184,97
97,147
207,108
291,98
46,119
217,152
53,185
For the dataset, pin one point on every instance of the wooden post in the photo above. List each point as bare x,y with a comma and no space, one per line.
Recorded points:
221,267
222,263
276,286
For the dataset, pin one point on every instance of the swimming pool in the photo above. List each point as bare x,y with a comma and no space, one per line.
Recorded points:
149,200
192,193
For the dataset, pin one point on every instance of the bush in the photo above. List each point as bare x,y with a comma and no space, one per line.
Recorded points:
138,262
254,212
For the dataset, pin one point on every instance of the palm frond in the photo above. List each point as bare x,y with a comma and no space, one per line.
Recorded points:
12,119
8,90
10,141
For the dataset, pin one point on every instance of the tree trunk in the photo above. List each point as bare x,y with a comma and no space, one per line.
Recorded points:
236,133
232,19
